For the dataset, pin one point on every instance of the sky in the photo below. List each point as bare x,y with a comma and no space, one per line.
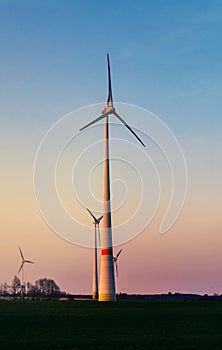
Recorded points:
165,58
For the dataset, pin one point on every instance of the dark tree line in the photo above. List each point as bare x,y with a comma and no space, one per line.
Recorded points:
43,287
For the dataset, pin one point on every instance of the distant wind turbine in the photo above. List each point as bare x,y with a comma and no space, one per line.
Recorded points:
107,290
22,269
115,259
95,290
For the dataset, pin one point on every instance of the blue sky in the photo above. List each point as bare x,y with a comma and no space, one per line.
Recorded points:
165,56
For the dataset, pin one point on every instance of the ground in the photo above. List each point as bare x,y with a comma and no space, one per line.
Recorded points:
121,325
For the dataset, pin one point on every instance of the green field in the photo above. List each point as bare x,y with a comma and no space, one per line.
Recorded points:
121,325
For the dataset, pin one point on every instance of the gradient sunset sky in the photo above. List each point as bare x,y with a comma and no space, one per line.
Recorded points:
165,57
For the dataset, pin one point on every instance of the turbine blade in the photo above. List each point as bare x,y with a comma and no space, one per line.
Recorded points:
97,119
28,261
99,219
21,253
21,267
118,253
128,127
116,270
110,96
91,215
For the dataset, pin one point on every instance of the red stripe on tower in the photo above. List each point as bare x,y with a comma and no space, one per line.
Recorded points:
108,251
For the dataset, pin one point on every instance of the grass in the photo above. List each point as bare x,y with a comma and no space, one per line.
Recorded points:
122,325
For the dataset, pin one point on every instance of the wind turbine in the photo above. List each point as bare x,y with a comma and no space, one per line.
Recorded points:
115,259
95,290
107,290
22,269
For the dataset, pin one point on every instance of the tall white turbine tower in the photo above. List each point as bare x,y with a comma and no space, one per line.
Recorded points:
95,289
107,290
22,269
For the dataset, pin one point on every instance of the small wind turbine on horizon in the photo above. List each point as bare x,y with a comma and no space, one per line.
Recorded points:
95,289
115,259
21,269
107,290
